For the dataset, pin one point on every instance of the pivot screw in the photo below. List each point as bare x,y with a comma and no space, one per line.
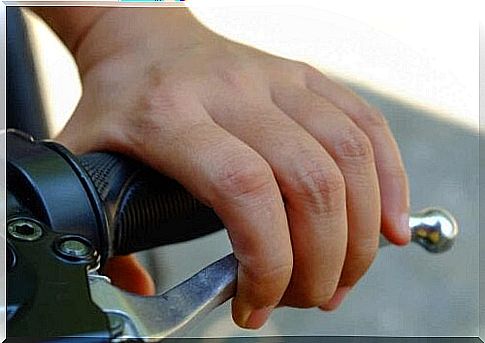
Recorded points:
25,230
75,249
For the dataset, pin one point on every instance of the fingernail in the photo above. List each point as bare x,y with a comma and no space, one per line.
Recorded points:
404,225
258,317
337,299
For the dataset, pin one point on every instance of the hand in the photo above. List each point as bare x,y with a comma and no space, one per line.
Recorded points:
303,173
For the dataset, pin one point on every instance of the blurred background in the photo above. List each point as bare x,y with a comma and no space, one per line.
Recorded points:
417,62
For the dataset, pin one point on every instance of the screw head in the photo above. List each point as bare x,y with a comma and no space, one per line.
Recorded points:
74,248
25,230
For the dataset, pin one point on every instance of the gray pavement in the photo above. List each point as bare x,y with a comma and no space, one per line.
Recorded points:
407,291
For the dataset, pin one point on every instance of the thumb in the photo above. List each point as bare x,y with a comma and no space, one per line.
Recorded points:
82,132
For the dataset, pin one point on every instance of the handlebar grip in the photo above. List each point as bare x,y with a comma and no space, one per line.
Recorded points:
145,209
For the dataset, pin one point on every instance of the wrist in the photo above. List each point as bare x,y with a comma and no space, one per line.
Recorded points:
71,24
149,32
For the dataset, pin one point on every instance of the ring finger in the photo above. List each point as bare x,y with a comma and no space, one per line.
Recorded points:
352,151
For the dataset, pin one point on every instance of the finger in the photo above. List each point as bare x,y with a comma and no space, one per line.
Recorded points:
392,176
314,195
84,130
352,151
227,175
127,273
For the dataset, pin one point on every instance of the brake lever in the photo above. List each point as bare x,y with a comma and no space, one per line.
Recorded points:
165,315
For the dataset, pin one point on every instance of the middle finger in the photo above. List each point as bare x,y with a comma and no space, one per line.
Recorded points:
314,193
353,153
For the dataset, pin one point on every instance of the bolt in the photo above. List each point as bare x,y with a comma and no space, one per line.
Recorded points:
75,248
25,230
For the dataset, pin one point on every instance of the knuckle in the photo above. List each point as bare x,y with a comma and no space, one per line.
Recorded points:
310,72
306,68
321,182
365,252
373,117
245,177
161,99
140,129
355,145
164,98
264,276
395,172
269,283
233,74
165,92
317,295
231,78
362,257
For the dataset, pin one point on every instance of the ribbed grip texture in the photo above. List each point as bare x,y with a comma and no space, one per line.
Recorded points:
145,209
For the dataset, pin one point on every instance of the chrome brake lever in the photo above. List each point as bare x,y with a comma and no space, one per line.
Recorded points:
152,318
156,317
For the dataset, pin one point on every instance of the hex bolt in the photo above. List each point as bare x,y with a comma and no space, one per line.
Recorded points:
75,248
25,230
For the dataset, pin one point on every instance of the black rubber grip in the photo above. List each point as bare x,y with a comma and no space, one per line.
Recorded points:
145,209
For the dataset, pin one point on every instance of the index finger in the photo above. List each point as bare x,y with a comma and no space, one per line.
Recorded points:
227,175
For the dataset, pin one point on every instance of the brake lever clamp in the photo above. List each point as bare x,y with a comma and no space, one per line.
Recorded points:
152,318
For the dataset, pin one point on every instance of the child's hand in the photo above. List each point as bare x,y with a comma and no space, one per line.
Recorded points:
303,172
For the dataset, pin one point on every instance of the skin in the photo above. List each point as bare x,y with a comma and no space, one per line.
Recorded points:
304,173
